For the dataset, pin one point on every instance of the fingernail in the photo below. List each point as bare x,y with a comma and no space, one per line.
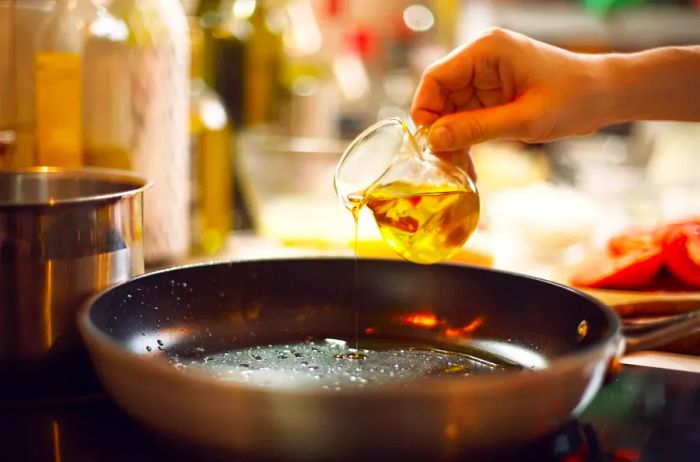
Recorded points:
441,138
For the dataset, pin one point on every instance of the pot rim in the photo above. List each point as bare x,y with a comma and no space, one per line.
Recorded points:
133,184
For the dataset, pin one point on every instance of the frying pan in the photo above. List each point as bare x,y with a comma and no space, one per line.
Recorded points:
132,331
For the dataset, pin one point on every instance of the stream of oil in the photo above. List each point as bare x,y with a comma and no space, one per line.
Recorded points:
326,363
422,223
356,355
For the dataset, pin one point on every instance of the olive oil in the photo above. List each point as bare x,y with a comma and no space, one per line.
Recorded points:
211,158
423,223
58,100
58,77
330,364
356,218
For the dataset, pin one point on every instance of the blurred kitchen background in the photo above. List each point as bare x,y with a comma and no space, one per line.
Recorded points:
240,109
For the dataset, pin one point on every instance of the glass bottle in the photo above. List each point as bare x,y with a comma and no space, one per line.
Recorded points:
8,87
211,142
262,67
250,83
209,21
227,56
58,82
157,85
107,92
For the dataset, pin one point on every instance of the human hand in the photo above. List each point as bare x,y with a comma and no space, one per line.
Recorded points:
508,86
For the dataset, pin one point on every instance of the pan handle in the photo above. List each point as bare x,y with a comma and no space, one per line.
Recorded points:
649,332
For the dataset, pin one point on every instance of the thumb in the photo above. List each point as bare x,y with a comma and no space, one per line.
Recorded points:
463,129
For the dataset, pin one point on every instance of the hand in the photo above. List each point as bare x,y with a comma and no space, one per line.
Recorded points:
505,85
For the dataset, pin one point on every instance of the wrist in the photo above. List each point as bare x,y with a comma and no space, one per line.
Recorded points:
617,86
658,84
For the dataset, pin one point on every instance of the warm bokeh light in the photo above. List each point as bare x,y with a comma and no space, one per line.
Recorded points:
418,18
303,37
425,320
429,320
465,330
243,9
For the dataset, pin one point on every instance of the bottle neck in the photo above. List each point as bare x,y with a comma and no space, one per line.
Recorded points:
196,49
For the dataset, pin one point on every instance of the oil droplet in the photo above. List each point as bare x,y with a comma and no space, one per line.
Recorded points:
257,358
148,348
457,368
160,342
582,330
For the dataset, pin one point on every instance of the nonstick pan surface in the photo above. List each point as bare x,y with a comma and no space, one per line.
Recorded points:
562,340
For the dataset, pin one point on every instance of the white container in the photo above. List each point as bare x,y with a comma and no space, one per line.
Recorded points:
158,92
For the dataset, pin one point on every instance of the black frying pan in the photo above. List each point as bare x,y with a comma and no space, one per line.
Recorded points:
550,344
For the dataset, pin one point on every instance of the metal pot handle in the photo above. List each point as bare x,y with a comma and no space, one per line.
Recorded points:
649,332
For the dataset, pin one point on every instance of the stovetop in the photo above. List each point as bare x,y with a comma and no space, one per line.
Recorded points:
644,415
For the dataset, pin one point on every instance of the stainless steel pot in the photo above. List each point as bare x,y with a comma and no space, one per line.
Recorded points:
64,235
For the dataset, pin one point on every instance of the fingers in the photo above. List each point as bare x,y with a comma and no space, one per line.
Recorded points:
450,74
429,102
464,129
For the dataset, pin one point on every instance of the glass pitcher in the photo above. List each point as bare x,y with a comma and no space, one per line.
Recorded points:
425,208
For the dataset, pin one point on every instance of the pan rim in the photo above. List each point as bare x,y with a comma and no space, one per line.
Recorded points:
611,345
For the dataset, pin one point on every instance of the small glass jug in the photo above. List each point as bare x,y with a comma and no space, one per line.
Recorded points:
425,208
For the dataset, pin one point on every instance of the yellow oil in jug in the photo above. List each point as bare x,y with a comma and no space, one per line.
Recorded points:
423,223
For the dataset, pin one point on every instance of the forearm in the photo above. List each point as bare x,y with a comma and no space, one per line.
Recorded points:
659,84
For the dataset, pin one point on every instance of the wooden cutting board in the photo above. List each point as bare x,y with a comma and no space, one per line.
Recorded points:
651,303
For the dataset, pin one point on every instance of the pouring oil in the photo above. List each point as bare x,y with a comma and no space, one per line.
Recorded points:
422,223
356,355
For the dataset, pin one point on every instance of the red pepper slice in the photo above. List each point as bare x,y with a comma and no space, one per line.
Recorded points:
634,241
681,249
632,270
